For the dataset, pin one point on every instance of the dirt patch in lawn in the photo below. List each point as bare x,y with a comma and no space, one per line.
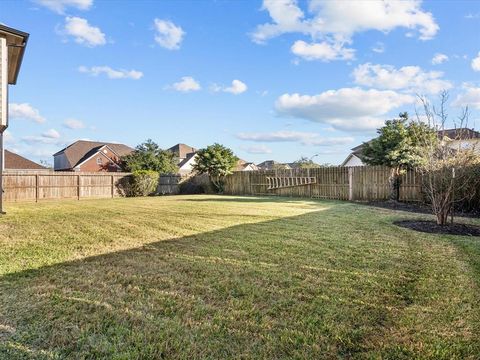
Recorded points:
432,227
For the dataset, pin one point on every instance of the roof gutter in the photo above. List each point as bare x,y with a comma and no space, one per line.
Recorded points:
25,37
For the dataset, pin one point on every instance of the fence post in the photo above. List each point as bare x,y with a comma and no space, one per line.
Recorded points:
78,187
36,187
112,187
309,183
350,183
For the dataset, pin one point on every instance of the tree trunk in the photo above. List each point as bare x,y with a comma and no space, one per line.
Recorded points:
442,217
395,182
217,183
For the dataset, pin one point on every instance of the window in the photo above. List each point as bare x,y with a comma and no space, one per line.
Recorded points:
99,161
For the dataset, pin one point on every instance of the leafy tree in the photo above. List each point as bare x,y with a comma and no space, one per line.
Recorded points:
305,163
149,156
398,147
217,161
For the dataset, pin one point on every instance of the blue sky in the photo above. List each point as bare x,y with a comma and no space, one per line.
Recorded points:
272,80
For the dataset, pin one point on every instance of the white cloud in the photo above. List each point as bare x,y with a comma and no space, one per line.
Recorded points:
73,124
476,63
322,51
305,138
236,88
409,78
344,109
111,73
439,58
168,35
25,111
59,6
257,149
472,16
469,97
187,84
44,140
379,48
83,32
51,134
337,21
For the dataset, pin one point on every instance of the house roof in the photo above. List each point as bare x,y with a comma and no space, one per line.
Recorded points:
460,133
182,150
186,160
16,42
351,155
270,164
242,164
16,162
81,150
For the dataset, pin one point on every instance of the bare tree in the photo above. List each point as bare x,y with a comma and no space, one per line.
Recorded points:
450,164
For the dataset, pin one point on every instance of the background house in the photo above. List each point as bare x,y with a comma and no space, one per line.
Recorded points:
272,165
457,138
90,156
185,167
186,157
14,161
243,165
354,158
182,151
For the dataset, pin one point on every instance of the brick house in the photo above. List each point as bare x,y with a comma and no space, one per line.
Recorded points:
91,156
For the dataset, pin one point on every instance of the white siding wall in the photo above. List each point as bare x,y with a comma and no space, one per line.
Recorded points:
187,167
354,161
3,82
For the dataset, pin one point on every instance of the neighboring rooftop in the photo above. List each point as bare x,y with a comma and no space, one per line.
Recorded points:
186,159
182,150
242,164
272,164
82,149
460,133
454,134
16,162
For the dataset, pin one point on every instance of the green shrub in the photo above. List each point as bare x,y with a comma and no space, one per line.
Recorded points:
143,183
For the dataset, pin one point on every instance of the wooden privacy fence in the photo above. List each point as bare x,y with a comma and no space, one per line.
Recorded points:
169,184
361,183
35,186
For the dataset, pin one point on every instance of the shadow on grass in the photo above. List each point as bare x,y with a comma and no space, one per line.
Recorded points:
255,199
300,287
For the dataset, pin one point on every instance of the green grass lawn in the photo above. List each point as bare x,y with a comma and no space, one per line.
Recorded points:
231,277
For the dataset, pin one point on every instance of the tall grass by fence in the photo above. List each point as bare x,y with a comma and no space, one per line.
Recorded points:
36,186
362,183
